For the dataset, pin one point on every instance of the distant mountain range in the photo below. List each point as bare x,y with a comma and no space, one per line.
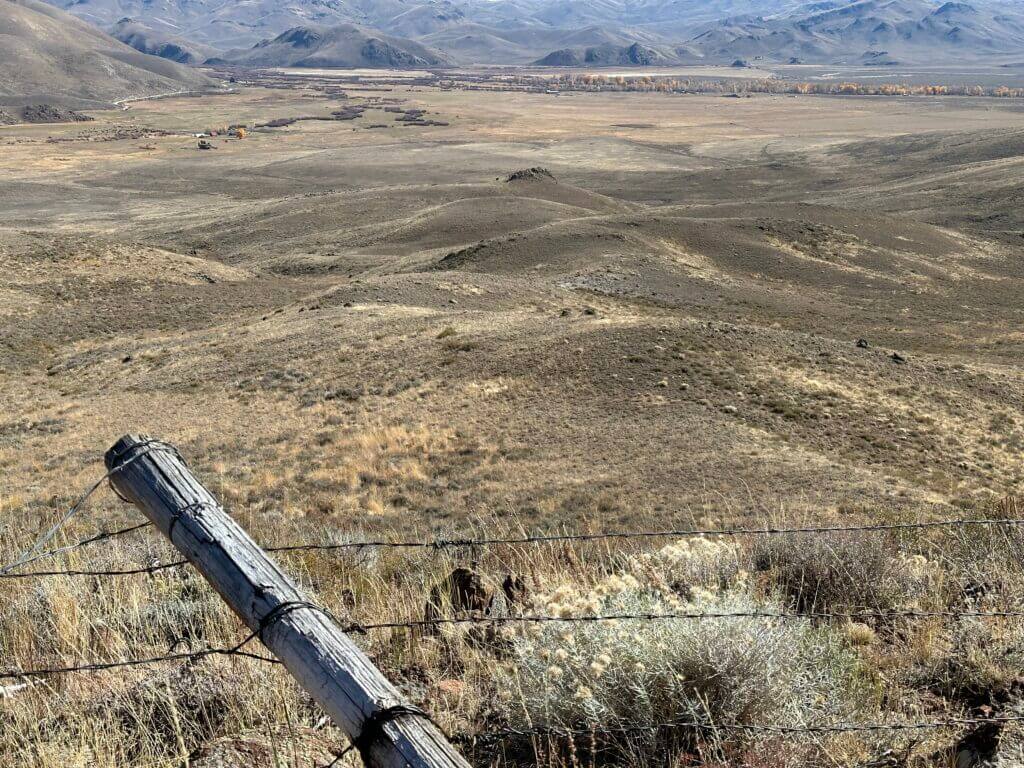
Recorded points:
608,55
344,45
880,32
49,57
160,43
416,33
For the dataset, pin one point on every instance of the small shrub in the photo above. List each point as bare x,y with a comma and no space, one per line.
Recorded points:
848,571
985,563
707,672
690,564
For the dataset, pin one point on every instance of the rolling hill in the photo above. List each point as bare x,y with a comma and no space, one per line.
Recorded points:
159,43
345,45
472,43
607,55
49,56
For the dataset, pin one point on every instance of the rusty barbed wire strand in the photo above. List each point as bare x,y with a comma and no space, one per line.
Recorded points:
438,544
143,449
100,666
360,628
95,539
364,628
624,730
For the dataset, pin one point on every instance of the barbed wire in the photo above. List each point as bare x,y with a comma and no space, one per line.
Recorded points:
484,739
469,543
34,555
100,666
141,449
667,533
360,628
498,734
142,569
364,628
101,536
145,447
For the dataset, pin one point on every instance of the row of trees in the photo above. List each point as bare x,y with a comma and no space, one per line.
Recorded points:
652,83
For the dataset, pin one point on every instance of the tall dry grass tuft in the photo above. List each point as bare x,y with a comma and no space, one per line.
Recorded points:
843,571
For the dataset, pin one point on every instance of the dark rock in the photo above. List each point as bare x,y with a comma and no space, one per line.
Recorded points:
862,344
47,113
531,174
974,750
462,594
348,598
515,589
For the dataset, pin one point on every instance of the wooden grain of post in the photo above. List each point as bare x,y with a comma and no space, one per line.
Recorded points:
311,645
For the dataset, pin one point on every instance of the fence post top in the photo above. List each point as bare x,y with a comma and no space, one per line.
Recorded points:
127,447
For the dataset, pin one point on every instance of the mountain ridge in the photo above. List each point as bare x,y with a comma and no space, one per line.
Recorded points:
343,45
50,57
526,31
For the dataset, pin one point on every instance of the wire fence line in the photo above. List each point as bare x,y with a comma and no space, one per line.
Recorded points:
496,734
566,732
499,735
470,543
102,666
35,555
140,450
101,536
680,533
143,449
365,628
112,572
358,628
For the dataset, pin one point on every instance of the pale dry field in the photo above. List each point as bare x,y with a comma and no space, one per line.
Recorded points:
354,331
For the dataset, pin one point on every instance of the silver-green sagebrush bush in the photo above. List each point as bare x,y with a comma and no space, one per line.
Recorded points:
715,672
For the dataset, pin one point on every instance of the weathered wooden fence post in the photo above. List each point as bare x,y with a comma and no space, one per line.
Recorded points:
313,648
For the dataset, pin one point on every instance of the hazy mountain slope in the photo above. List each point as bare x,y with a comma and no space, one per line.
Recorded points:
678,18
483,44
159,43
608,55
231,24
873,31
228,24
424,19
47,55
345,45
877,32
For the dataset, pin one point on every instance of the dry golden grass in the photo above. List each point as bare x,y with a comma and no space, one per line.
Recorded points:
160,715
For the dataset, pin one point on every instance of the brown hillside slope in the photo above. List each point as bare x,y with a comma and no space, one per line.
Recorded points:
47,55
